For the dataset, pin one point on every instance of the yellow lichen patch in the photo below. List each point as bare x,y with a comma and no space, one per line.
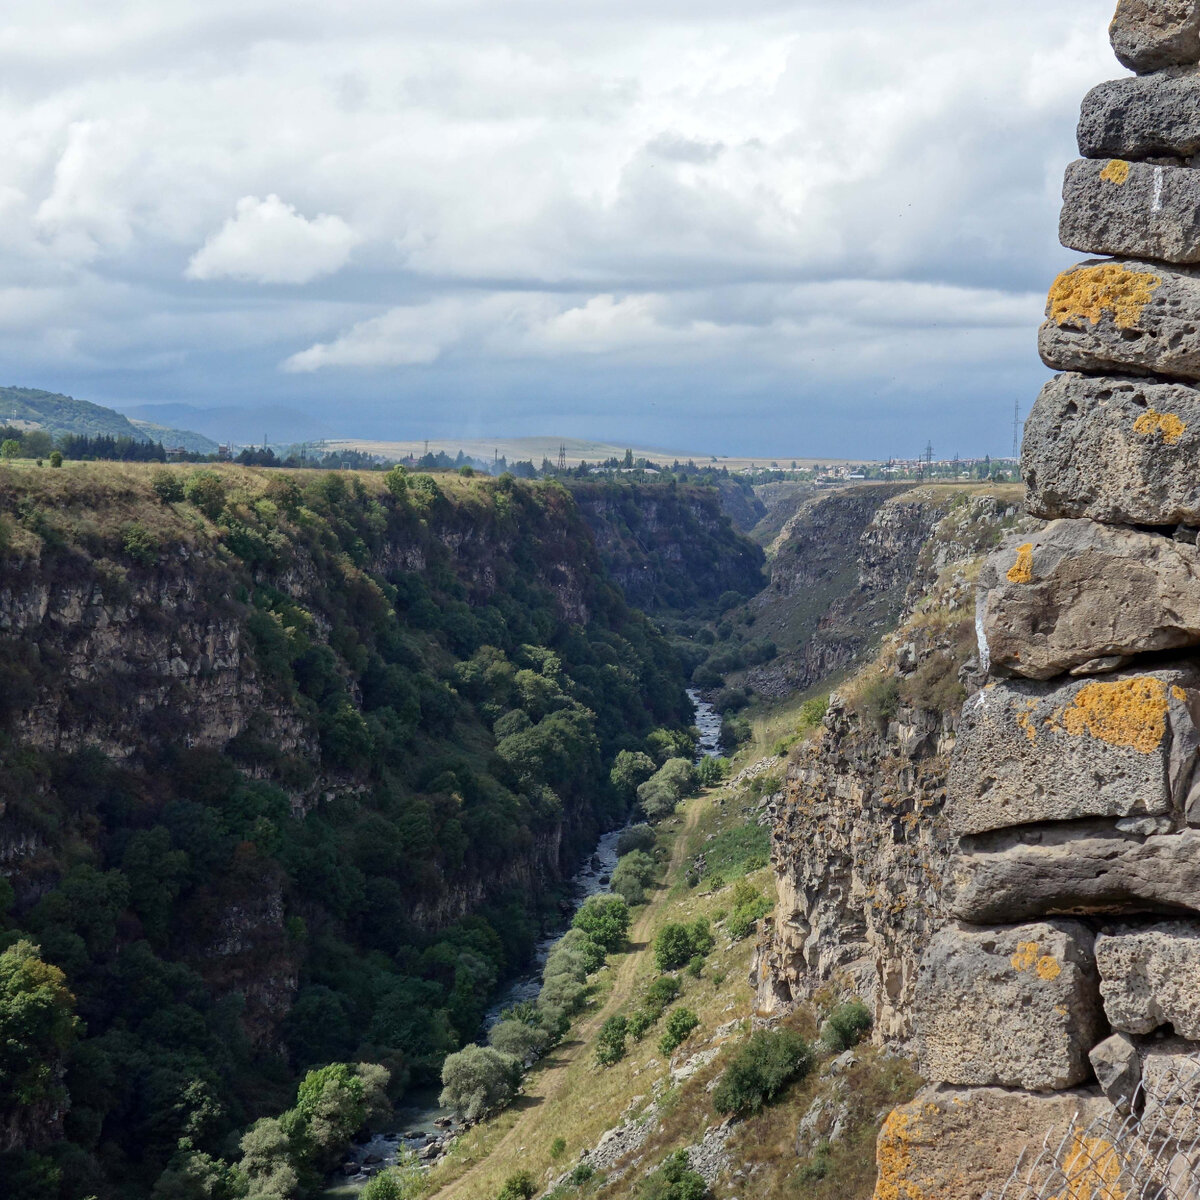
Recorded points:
1092,1168
1130,712
1048,967
1088,293
1025,957
894,1157
1116,170
1022,570
1025,722
1168,424
1179,693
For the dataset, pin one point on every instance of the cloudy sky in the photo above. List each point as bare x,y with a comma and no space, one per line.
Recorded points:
764,227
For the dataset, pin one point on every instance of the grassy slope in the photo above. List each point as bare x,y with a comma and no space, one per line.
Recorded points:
568,1096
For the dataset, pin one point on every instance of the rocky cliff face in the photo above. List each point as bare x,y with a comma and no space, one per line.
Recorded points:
846,567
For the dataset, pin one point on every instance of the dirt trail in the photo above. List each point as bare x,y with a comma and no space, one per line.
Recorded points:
546,1084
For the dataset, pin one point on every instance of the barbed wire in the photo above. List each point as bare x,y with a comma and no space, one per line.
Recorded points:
1151,1151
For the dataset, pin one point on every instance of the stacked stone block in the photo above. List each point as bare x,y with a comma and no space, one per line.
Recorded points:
1074,790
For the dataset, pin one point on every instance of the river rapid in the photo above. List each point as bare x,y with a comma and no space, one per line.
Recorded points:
421,1123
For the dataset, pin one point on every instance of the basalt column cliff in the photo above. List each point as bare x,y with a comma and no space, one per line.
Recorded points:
1067,983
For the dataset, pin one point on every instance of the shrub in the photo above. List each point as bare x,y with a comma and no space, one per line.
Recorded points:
711,771
677,944
659,795
680,1022
205,490
749,906
478,1080
396,481
610,1043
674,1180
518,1039
634,873
636,837
695,965
558,1148
761,1069
139,543
56,458
880,699
167,486
605,920
10,448
518,1187
404,1181
660,993
845,1025
639,1022
582,1174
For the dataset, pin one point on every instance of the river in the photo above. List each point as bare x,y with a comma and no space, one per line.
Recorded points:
422,1116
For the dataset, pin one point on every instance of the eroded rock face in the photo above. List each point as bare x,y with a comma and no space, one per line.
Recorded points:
1111,206
1114,747
1150,977
1010,1007
1149,116
1148,35
1120,451
1078,591
1123,316
963,1143
1083,867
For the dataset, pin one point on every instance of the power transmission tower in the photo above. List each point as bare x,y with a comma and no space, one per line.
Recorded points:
562,456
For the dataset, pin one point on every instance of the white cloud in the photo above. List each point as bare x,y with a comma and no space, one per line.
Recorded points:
268,241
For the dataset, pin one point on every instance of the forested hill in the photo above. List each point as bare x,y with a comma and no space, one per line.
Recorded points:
289,761
32,408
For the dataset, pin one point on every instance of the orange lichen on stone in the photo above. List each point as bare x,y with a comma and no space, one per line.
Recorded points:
1130,712
1168,424
1022,570
1087,293
1025,722
1048,967
1116,170
1092,1168
1179,693
894,1158
1025,957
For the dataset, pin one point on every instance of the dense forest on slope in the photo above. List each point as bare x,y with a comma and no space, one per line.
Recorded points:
290,762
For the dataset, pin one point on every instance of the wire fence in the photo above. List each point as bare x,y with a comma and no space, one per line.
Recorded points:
1151,1151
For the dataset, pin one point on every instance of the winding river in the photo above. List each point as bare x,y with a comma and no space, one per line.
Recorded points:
422,1119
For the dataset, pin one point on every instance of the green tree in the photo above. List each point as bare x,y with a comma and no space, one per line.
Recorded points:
331,1103
605,920
630,768
266,1162
672,947
519,1039
478,1080
56,458
167,486
634,873
37,1026
404,1181
680,1022
206,491
674,1180
396,482
610,1042
761,1069
10,448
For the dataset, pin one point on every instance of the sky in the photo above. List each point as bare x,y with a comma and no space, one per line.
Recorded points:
822,227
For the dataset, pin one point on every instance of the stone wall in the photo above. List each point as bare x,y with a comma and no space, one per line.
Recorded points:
1069,957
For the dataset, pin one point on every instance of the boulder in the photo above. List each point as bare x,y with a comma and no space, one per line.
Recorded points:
1077,591
963,1143
1111,206
1147,116
1089,867
1118,1069
1119,747
1010,1007
1123,317
1120,451
1150,977
1148,35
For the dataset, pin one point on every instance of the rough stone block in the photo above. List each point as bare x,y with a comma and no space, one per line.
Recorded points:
1150,977
1091,867
1111,206
963,1143
1078,591
1119,747
1147,116
1120,451
1118,1068
1148,35
1124,317
1171,1084
1012,1007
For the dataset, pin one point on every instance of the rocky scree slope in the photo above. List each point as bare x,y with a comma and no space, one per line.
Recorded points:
290,761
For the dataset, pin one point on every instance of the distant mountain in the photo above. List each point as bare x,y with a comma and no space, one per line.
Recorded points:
245,426
33,408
